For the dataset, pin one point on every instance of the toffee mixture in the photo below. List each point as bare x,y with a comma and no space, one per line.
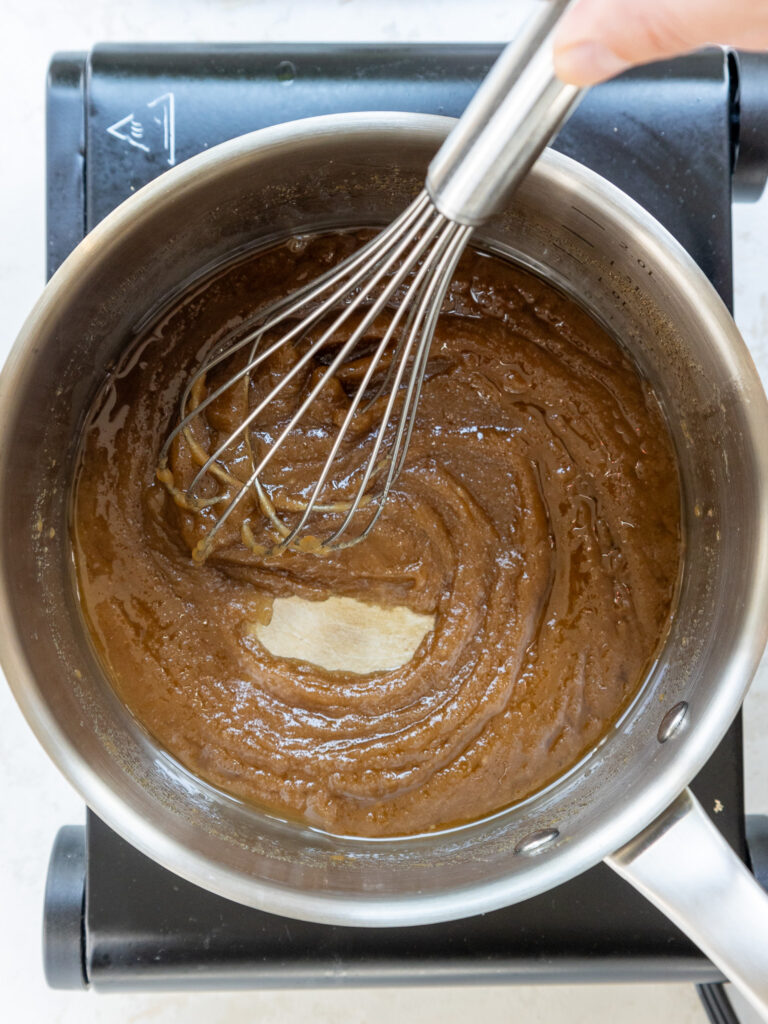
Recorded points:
537,519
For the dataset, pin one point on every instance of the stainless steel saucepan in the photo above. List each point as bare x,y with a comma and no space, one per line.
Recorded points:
628,802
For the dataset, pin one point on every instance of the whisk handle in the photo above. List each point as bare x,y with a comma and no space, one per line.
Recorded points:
511,118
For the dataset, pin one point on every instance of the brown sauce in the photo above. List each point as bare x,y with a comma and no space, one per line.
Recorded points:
537,519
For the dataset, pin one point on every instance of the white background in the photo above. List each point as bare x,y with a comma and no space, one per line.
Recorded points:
34,799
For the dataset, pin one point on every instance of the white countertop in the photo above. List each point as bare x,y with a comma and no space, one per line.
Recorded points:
34,799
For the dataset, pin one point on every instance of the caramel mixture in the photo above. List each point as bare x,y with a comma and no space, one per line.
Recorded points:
536,521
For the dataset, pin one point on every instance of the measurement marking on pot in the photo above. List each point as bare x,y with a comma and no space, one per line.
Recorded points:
672,721
581,238
586,216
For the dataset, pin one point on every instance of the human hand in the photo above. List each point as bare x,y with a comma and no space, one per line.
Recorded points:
599,38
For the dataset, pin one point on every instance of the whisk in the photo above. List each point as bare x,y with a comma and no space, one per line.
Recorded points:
513,115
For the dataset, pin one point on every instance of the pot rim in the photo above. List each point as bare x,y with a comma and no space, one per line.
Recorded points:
695,746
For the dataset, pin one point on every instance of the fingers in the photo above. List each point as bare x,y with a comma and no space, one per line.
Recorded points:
599,38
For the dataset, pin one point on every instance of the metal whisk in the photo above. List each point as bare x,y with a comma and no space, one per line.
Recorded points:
513,115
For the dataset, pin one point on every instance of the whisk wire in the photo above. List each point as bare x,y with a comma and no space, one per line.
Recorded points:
311,353
437,275
422,273
421,244
423,278
334,299
443,273
284,308
419,236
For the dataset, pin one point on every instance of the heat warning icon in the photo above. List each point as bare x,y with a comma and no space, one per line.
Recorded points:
151,129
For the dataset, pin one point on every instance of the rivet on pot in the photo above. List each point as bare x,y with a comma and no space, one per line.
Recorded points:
672,721
285,72
536,842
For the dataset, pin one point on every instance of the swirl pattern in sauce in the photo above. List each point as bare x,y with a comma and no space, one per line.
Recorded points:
537,518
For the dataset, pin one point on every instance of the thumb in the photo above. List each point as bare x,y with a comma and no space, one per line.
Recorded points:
599,38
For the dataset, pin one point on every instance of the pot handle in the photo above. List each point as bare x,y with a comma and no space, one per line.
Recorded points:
682,864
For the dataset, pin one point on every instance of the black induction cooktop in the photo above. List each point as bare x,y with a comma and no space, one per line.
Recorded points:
684,138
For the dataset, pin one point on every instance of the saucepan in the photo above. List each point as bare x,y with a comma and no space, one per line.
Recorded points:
626,803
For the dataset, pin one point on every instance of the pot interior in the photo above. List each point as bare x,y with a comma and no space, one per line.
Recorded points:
588,239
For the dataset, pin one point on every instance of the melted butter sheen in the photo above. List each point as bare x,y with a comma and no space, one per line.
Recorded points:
537,520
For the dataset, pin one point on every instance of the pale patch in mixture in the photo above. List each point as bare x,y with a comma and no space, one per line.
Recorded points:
341,634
